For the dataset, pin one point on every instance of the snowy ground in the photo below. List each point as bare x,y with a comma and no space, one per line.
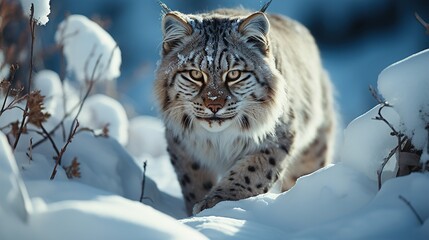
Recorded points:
341,201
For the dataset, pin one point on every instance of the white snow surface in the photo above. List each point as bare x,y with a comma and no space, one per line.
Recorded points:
405,85
90,51
101,110
341,201
368,141
41,10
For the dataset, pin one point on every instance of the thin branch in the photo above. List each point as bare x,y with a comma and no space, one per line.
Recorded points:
143,181
30,150
13,69
33,37
63,150
376,95
412,209
91,84
46,133
25,113
66,115
383,164
400,138
422,22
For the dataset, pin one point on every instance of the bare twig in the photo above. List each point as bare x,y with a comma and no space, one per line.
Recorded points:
383,164
13,69
422,22
104,131
30,150
25,113
412,209
143,181
88,59
376,95
66,115
33,37
55,128
400,138
46,134
63,150
91,84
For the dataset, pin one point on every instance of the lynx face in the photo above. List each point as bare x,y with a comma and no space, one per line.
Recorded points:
218,73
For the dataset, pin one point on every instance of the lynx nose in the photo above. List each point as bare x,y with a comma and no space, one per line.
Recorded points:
214,103
214,107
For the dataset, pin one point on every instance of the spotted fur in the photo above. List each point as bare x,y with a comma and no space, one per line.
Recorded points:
233,137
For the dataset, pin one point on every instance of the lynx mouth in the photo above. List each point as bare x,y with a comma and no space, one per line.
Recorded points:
215,124
214,118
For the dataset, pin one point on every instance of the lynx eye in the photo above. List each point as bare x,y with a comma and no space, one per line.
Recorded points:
196,75
233,75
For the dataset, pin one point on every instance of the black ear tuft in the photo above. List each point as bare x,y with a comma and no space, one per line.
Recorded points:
255,29
174,29
266,5
164,7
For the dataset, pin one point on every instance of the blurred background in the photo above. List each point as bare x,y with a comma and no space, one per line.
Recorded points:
357,38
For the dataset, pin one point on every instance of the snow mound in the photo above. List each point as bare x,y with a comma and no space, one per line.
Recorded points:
13,194
329,204
41,10
100,111
49,84
86,43
84,212
405,85
368,141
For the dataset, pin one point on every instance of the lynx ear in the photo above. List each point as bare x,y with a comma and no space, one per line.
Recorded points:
174,28
254,29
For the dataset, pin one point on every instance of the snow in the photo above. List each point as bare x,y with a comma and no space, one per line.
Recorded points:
41,10
50,86
101,110
340,201
367,141
405,85
13,196
85,45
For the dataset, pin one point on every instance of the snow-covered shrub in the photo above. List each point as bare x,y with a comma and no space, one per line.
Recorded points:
90,52
41,10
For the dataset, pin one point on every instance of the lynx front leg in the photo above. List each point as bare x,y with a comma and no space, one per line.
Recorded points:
194,180
253,175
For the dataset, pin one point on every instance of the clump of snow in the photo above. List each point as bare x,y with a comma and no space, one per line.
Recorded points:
49,84
60,97
13,194
41,10
100,111
86,43
405,85
330,204
70,210
368,141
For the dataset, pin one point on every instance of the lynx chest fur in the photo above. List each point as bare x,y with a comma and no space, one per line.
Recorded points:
245,101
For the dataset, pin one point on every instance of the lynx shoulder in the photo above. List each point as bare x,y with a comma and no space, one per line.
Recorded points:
246,103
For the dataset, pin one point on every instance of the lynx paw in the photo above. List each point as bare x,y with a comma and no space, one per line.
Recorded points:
207,202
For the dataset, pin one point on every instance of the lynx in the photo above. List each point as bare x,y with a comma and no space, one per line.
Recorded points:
246,103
